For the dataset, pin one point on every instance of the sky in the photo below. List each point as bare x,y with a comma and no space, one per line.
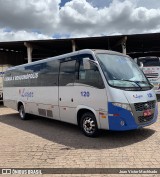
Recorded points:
50,19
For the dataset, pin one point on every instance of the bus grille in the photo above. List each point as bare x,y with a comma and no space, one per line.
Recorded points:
143,119
141,106
151,75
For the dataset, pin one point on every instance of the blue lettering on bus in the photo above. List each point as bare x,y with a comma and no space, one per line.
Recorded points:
150,95
26,94
138,96
85,93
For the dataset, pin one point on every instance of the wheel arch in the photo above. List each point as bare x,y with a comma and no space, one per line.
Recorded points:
19,104
83,109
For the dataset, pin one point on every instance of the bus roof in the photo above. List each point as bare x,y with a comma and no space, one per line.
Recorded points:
88,51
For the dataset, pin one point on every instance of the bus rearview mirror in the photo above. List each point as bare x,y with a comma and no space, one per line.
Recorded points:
141,64
86,63
135,59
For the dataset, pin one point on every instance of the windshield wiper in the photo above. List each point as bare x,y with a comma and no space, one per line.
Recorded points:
136,82
147,83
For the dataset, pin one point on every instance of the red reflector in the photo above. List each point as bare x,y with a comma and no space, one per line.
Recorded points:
116,115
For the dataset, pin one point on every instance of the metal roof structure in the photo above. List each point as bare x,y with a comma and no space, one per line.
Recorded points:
137,45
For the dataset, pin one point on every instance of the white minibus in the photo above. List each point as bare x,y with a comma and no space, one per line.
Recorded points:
95,89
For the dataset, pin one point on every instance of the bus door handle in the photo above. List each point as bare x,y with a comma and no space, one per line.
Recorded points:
60,99
72,100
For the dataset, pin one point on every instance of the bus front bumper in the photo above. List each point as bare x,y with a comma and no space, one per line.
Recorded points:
121,119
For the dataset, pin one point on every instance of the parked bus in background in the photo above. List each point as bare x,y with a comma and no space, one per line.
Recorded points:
151,68
3,68
94,89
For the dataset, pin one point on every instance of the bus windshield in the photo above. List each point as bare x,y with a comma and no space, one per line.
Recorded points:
121,71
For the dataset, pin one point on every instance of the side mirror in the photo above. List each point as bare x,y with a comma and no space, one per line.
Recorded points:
86,63
141,65
135,59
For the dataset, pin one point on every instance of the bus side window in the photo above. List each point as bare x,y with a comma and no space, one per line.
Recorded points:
67,73
90,77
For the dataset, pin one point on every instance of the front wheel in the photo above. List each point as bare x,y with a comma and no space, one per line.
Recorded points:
88,124
22,113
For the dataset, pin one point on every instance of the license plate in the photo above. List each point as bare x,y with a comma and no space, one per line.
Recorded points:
147,113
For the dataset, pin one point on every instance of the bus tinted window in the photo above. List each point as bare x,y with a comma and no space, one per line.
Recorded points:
41,74
67,73
47,74
90,77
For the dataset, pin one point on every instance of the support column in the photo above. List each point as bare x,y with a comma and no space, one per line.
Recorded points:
123,44
73,46
29,51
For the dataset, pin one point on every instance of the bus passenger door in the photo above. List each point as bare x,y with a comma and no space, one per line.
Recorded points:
67,107
90,92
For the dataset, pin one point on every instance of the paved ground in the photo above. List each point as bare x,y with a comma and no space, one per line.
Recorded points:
39,143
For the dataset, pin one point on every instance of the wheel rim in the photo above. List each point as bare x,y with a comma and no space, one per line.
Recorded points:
89,125
21,112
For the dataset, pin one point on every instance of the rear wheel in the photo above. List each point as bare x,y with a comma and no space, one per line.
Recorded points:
88,124
22,112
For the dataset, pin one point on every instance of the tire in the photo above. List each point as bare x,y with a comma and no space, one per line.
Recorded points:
22,112
88,125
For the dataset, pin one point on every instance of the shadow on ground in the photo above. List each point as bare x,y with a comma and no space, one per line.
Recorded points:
70,135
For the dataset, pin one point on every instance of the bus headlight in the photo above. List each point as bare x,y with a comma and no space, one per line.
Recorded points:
123,105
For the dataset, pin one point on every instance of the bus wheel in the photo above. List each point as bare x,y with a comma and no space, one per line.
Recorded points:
88,124
22,113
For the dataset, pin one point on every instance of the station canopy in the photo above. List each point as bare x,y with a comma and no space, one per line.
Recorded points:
137,45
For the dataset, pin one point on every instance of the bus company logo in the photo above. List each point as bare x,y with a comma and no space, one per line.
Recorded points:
6,171
25,94
146,106
138,96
